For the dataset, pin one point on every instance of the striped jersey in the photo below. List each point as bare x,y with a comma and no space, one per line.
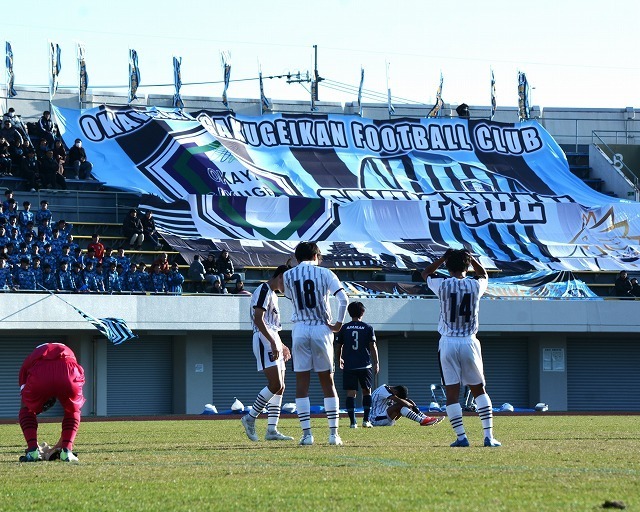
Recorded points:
309,287
356,338
265,298
380,402
459,304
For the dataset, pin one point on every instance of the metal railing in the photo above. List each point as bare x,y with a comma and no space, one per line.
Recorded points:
619,165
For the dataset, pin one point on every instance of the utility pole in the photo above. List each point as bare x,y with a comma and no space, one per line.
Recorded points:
316,76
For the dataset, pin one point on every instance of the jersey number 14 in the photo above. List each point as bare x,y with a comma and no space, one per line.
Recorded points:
460,310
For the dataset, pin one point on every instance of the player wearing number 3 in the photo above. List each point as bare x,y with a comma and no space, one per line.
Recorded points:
459,349
309,287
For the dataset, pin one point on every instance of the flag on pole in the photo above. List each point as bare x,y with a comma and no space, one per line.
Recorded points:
56,66
11,92
177,80
360,91
226,71
436,109
83,76
493,96
134,75
523,97
390,107
265,104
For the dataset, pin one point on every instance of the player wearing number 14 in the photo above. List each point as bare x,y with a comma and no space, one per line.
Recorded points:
459,349
309,287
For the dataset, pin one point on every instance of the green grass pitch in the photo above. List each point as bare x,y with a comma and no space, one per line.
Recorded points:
546,463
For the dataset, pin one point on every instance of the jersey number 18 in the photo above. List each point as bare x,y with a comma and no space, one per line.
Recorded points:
305,294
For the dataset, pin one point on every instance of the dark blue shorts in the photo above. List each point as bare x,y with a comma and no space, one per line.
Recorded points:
354,379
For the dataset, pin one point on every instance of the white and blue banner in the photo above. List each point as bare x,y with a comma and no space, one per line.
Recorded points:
134,75
408,187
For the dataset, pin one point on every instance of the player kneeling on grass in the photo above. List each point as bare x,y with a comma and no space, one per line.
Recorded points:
50,372
388,403
270,354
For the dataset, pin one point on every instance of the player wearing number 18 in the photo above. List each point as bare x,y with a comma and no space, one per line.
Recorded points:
309,287
459,349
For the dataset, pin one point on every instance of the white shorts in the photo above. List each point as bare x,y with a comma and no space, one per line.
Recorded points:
382,421
263,353
461,360
312,348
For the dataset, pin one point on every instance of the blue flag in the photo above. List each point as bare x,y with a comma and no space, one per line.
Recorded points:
115,330
177,80
11,92
134,75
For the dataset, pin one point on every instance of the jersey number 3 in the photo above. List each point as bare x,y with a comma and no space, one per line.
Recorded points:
305,294
460,310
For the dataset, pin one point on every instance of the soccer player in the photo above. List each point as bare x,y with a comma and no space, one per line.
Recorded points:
388,403
50,372
309,287
459,349
357,354
271,355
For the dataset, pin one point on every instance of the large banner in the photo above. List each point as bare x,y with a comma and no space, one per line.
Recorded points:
419,185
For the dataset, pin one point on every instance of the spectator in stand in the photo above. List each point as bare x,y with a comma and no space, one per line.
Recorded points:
26,215
30,171
49,278
109,258
196,273
6,278
175,279
97,247
17,153
132,229
622,286
37,271
15,236
78,160
12,256
45,124
6,163
635,287
57,242
149,229
28,240
41,149
122,278
41,242
72,245
49,257
43,213
25,279
239,289
11,210
225,267
8,194
135,279
91,257
16,122
157,280
59,152
10,132
94,284
52,172
211,269
4,239
65,278
65,255
46,229
23,251
162,262
123,260
142,278
78,278
218,288
100,278
111,278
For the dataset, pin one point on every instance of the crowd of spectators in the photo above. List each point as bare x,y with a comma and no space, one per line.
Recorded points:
36,153
212,275
625,286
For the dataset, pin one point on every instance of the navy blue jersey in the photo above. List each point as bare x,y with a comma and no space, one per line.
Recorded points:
355,338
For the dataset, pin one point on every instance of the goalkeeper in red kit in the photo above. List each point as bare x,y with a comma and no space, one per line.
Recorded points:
50,372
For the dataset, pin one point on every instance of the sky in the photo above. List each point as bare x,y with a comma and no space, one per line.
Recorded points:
575,53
